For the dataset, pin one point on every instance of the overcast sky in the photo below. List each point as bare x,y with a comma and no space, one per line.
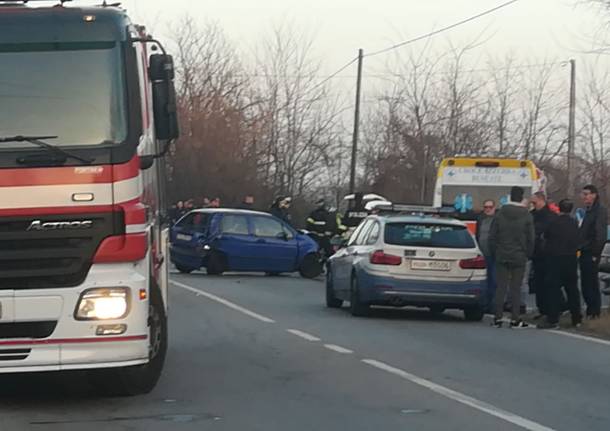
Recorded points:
529,28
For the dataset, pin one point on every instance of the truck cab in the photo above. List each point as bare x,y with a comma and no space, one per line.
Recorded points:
87,110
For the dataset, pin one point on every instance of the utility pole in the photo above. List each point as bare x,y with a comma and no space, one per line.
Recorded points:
571,129
352,175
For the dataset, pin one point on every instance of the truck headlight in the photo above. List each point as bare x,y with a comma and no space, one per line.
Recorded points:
103,304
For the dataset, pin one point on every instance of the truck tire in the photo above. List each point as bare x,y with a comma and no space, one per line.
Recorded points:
310,266
331,300
139,379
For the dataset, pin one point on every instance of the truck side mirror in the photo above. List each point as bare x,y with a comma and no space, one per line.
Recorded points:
161,72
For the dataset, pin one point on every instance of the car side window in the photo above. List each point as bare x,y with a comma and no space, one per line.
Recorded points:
373,235
364,233
354,235
288,231
234,224
358,240
267,227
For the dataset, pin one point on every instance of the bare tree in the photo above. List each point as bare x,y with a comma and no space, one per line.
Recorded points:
301,124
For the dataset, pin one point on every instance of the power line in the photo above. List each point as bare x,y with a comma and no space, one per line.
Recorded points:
441,30
328,78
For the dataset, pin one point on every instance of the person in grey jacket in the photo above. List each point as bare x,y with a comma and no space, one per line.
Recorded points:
512,243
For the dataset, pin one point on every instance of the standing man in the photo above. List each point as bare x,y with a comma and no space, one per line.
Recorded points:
247,203
562,241
593,235
512,243
484,225
543,216
319,222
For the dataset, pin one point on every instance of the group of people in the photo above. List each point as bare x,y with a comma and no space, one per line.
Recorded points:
180,208
553,244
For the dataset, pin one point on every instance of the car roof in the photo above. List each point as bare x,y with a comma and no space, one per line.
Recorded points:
229,211
392,218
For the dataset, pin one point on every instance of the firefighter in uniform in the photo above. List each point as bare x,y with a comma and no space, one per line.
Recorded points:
320,224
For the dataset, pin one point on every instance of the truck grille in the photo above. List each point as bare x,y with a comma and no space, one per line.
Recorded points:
60,257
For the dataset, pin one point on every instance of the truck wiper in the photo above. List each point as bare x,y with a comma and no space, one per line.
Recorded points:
39,141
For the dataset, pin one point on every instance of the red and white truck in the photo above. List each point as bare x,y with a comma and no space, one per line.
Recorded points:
87,111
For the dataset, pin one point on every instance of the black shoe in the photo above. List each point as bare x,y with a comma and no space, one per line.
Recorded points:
497,323
548,325
519,324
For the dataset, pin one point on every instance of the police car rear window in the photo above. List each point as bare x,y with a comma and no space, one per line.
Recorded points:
428,235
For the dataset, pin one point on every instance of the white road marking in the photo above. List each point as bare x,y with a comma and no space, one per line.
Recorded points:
303,335
338,349
460,398
224,302
581,337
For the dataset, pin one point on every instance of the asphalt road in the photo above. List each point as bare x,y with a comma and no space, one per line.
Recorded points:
262,353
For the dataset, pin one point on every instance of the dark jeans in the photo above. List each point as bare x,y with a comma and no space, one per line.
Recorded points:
563,273
539,268
490,261
589,280
510,278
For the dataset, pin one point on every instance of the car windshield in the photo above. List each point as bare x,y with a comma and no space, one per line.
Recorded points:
469,199
428,235
71,90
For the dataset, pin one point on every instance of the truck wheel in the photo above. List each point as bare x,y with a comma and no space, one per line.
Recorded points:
331,300
217,263
139,379
310,266
356,306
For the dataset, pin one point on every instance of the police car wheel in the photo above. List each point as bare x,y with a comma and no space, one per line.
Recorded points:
331,300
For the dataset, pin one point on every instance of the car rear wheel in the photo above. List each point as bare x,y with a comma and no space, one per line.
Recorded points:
184,269
474,314
331,300
217,263
310,266
356,306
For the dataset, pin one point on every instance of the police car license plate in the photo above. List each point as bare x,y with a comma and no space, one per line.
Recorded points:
431,265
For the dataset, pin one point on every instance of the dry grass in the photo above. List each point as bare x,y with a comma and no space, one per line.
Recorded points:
599,327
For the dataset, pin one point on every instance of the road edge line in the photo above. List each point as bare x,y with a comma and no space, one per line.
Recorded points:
581,337
224,302
459,397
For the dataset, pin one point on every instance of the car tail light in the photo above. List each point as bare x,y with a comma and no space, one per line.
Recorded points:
122,248
379,257
474,263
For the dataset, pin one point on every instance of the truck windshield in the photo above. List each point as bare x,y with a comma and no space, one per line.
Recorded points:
71,90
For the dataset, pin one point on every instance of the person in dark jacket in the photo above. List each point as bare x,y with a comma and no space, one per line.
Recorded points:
247,203
512,243
319,222
543,216
280,208
593,235
484,225
562,242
